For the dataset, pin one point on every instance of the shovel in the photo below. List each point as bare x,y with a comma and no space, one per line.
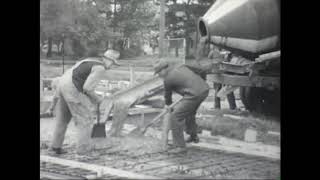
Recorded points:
140,131
99,129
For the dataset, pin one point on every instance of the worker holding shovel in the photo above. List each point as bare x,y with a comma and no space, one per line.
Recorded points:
180,79
77,99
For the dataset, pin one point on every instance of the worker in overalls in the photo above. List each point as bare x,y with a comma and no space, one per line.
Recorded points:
77,100
180,79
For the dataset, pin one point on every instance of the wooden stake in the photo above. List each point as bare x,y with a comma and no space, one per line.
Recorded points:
162,28
132,79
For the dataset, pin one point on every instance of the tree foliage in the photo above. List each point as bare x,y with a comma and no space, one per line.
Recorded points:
182,17
89,22
73,19
131,18
190,11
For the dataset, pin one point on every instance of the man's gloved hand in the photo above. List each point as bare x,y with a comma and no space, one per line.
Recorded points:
98,99
168,108
94,98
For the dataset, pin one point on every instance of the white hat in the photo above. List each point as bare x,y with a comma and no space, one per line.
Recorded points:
113,55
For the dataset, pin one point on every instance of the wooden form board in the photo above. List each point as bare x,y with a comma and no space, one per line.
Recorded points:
49,175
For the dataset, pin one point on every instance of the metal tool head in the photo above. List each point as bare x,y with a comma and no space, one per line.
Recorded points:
99,131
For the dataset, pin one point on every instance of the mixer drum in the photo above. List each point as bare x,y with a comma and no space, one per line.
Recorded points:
248,25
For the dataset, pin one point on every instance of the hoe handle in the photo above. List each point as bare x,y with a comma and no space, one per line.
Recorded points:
98,113
157,118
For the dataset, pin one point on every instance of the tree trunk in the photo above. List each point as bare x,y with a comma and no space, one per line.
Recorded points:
114,14
59,47
49,53
177,50
162,28
187,45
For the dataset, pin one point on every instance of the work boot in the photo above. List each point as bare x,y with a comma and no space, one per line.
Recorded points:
58,151
193,138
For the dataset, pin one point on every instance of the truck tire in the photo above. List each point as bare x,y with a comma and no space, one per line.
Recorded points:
251,99
261,100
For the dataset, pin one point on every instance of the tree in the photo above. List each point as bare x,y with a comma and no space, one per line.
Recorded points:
95,22
130,18
54,18
182,17
76,20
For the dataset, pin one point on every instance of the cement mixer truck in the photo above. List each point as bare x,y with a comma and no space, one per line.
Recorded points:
249,29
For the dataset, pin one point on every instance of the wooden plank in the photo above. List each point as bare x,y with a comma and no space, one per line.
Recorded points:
236,149
134,111
236,68
233,116
269,56
237,80
132,76
274,133
138,111
50,175
101,170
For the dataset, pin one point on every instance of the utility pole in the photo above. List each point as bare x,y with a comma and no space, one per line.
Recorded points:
162,27
62,53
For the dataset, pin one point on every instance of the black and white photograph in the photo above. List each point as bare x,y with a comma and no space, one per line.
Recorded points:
160,89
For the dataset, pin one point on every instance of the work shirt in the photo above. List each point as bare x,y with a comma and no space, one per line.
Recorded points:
81,73
183,81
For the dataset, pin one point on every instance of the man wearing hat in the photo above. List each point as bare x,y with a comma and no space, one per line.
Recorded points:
77,99
218,86
180,79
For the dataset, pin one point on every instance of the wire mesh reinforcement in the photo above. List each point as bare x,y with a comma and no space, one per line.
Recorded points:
196,163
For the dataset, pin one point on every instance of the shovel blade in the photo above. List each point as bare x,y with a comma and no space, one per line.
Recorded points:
98,131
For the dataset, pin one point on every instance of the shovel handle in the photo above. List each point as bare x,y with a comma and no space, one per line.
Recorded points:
98,113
